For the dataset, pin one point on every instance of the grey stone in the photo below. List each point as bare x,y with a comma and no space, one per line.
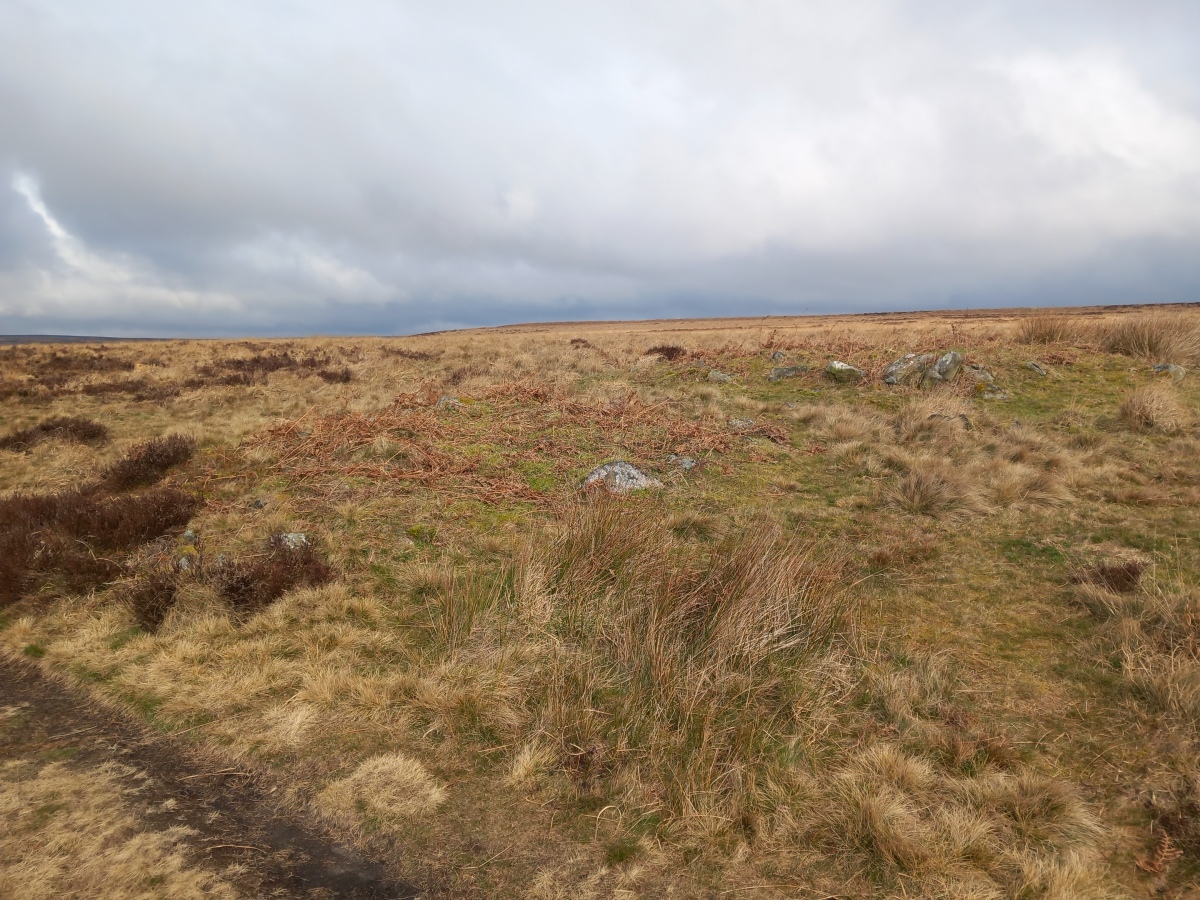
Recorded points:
930,377
1176,372
447,402
294,540
619,477
185,564
978,373
190,537
1034,366
993,395
258,503
719,377
741,424
778,356
687,463
781,372
907,369
844,373
948,365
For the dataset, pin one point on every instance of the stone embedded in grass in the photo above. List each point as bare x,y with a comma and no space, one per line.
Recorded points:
993,395
719,377
741,424
687,463
1176,372
619,477
1034,366
844,373
777,356
258,503
447,402
943,370
294,540
781,372
979,374
907,369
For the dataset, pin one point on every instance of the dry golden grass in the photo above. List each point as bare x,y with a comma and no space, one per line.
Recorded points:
70,832
1154,407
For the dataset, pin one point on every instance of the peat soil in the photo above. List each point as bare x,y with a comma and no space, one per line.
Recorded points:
231,813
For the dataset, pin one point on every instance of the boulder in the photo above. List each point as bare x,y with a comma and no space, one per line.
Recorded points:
777,356
978,374
844,373
1034,366
619,477
1176,372
946,367
907,369
781,372
719,377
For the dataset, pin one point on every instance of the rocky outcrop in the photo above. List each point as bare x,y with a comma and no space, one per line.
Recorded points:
908,369
781,372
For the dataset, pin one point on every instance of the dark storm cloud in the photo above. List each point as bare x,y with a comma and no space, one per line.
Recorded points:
279,167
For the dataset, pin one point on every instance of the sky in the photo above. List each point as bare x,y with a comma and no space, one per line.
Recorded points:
259,167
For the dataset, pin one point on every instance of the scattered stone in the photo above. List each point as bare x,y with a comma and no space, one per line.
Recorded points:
943,370
907,369
781,372
258,503
979,374
719,377
1176,372
619,477
446,402
993,395
191,538
1034,366
778,356
741,424
185,563
687,463
294,540
844,373
961,417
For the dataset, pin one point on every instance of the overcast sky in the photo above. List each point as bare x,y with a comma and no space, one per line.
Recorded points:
289,167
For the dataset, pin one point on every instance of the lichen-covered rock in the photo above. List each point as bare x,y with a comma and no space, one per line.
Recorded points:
450,403
619,477
946,367
741,424
978,373
777,356
907,369
844,373
1176,372
719,377
1034,366
294,540
781,372
687,463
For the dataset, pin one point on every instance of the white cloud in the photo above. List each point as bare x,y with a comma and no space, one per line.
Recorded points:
387,165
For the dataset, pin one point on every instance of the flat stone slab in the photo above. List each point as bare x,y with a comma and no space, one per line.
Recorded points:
620,477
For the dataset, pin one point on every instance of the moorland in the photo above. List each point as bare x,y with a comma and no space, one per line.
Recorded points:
856,639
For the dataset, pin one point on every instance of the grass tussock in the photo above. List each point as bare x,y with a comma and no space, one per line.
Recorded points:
1153,408
147,462
252,585
71,429
1048,328
391,789
669,352
936,492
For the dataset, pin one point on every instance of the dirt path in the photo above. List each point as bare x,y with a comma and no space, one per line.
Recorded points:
232,815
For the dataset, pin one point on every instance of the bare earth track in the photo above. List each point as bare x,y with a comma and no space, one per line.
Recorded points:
231,814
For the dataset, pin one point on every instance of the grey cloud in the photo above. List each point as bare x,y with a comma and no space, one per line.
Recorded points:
272,167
